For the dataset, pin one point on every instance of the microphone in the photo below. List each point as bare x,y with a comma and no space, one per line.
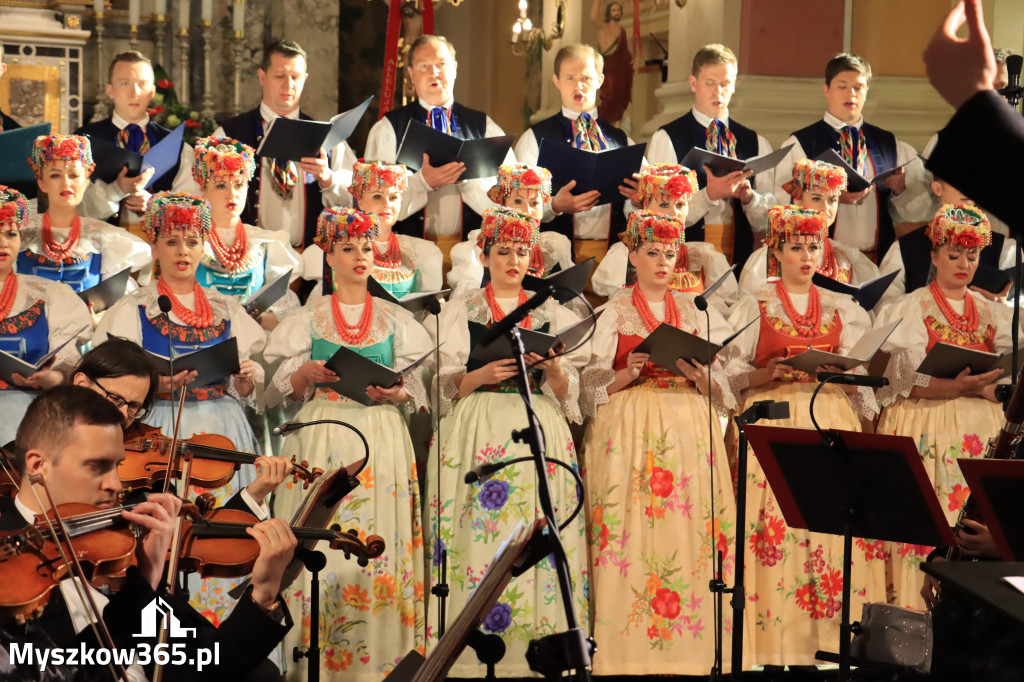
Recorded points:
1012,91
433,306
852,379
281,429
701,300
505,325
483,472
164,303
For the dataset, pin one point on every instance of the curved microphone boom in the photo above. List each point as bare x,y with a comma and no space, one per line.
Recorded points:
505,325
852,379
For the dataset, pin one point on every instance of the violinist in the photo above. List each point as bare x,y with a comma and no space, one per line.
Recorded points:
36,315
75,442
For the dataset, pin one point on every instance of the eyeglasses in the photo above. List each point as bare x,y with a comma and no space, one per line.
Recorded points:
135,410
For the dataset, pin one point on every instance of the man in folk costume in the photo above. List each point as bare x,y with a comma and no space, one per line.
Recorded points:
436,206
728,211
287,195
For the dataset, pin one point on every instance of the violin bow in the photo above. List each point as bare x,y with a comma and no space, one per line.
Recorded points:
78,579
8,468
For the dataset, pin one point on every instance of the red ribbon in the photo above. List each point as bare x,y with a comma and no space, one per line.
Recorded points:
638,44
387,90
428,17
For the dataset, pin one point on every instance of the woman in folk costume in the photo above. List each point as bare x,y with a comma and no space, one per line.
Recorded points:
816,185
666,189
794,578
177,225
62,246
238,259
949,418
36,316
481,406
524,188
369,617
650,468
401,264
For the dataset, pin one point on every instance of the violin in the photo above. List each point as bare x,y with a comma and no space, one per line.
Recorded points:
10,477
31,563
217,546
214,459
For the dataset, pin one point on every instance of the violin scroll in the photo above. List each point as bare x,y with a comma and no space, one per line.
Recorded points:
302,470
349,543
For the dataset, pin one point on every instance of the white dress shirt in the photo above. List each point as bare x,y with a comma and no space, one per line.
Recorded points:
661,150
442,207
289,214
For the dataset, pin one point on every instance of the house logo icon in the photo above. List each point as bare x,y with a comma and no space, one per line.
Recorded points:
158,615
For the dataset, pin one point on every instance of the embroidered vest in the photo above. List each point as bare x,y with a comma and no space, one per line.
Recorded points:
184,339
78,275
778,339
25,336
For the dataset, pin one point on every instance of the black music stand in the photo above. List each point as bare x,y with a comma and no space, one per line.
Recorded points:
877,488
997,486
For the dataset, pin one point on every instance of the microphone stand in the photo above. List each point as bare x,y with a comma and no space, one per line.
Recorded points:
555,654
440,588
1012,92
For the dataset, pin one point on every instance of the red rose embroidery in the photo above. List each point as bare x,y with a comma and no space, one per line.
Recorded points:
666,603
661,482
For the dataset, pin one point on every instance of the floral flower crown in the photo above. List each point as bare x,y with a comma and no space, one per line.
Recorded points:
14,208
176,211
645,226
520,176
339,224
502,224
673,179
787,222
49,148
960,225
815,176
222,156
377,176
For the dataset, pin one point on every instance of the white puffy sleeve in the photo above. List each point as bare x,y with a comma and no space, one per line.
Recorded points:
599,372
610,274
291,342
863,269
454,353
906,347
738,356
342,160
562,317
722,395
755,272
411,343
856,323
429,263
467,271
556,249
474,192
281,257
66,316
660,148
715,265
251,339
121,249
893,262
120,319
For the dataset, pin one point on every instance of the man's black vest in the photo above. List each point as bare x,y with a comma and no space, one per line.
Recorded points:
685,133
916,248
247,128
467,124
819,136
559,129
106,130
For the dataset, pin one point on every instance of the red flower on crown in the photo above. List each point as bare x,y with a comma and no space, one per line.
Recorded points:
8,213
678,185
665,231
530,177
178,216
389,177
966,240
835,181
164,84
812,225
67,149
232,164
359,225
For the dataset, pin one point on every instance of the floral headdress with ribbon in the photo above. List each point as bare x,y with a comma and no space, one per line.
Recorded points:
222,156
645,226
787,222
14,209
178,211
672,179
520,176
377,176
502,224
338,224
960,225
815,176
50,148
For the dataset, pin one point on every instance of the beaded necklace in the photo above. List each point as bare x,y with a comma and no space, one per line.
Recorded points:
806,325
497,314
58,252
203,315
643,308
352,335
230,257
829,265
390,259
7,295
968,322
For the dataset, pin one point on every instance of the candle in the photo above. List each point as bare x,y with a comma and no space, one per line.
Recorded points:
239,16
160,8
183,9
133,12
207,10
97,6
517,28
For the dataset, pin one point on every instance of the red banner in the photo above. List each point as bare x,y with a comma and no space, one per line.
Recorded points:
387,90
638,44
428,17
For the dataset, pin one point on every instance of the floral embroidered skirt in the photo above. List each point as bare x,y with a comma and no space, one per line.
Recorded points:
371,617
225,417
944,430
475,519
652,550
794,578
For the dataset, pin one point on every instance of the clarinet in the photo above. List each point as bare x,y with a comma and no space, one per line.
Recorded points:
1000,447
